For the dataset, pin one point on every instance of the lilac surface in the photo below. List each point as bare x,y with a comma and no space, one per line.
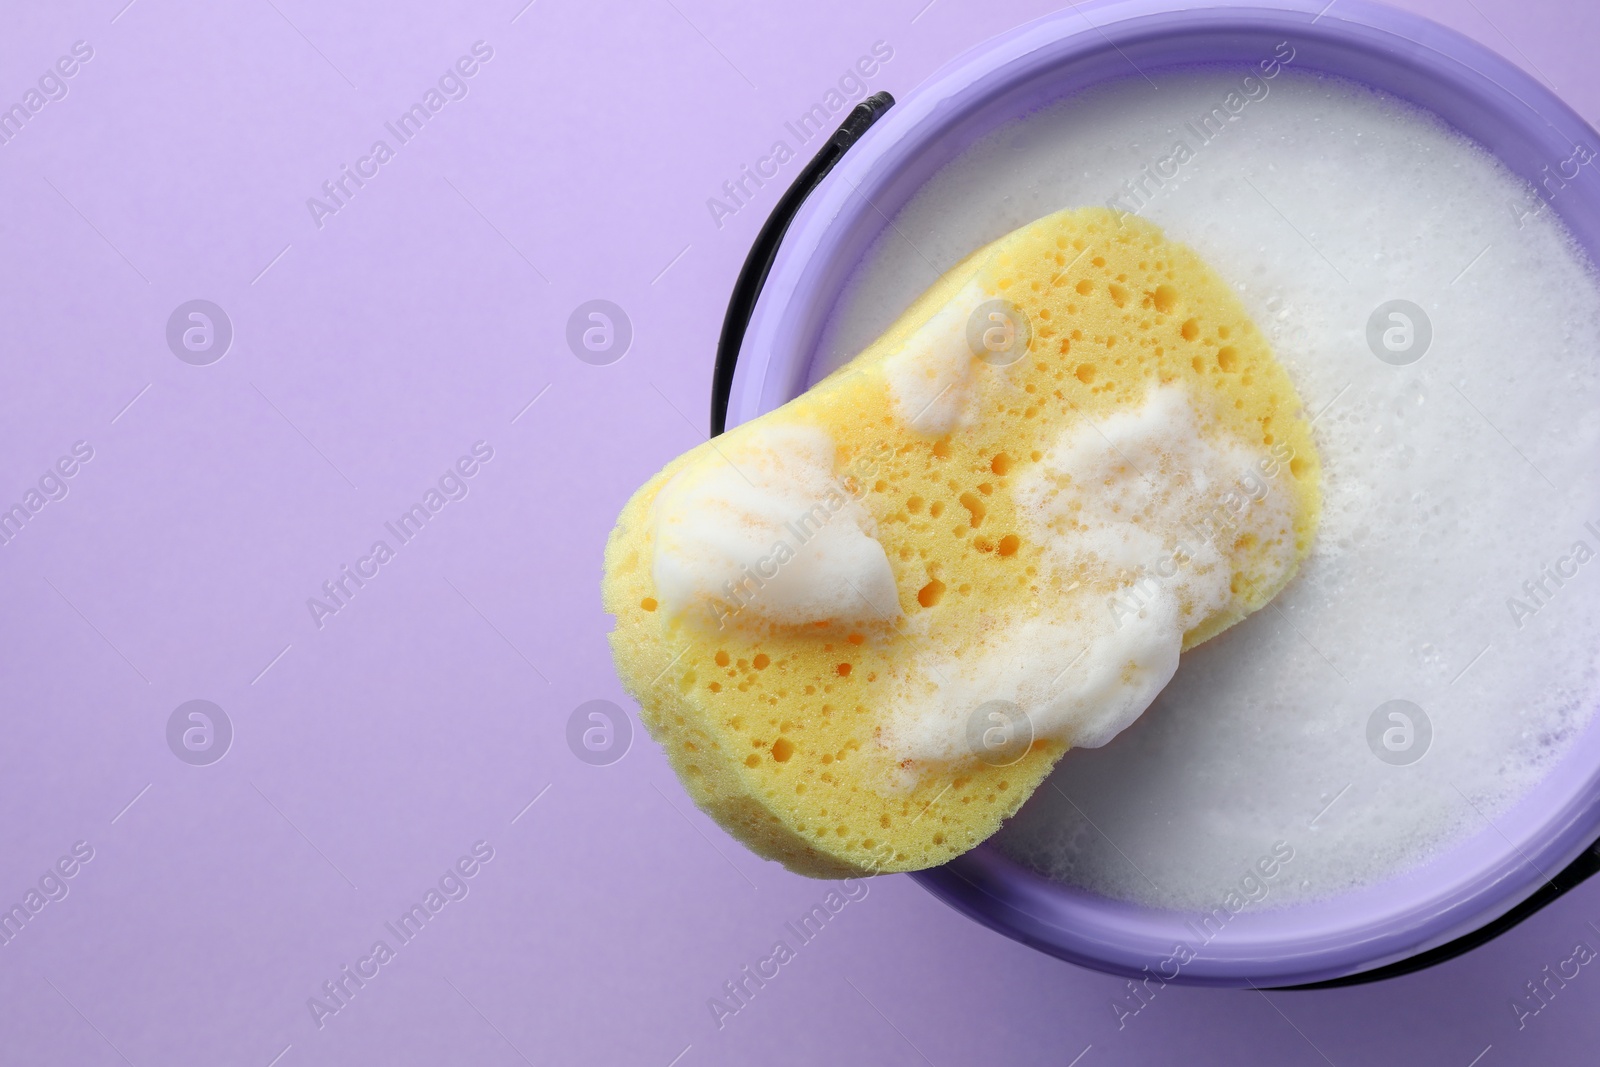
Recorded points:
372,753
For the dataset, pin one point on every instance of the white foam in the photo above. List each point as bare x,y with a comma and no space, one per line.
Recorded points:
1147,492
1320,202
760,532
933,376
1131,510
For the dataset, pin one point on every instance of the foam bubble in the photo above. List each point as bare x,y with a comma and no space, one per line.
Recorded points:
1448,483
932,377
1134,512
762,533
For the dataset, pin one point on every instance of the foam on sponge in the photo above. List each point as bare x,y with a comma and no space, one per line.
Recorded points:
865,625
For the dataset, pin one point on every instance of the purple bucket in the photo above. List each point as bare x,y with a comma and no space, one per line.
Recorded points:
1462,896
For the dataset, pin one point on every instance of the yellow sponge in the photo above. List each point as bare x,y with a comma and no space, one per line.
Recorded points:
945,526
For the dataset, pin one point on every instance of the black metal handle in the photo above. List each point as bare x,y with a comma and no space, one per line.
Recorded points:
753,275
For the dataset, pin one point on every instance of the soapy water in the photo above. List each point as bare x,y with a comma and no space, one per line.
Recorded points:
1451,571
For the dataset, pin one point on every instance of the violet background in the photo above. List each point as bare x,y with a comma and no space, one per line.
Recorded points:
372,753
